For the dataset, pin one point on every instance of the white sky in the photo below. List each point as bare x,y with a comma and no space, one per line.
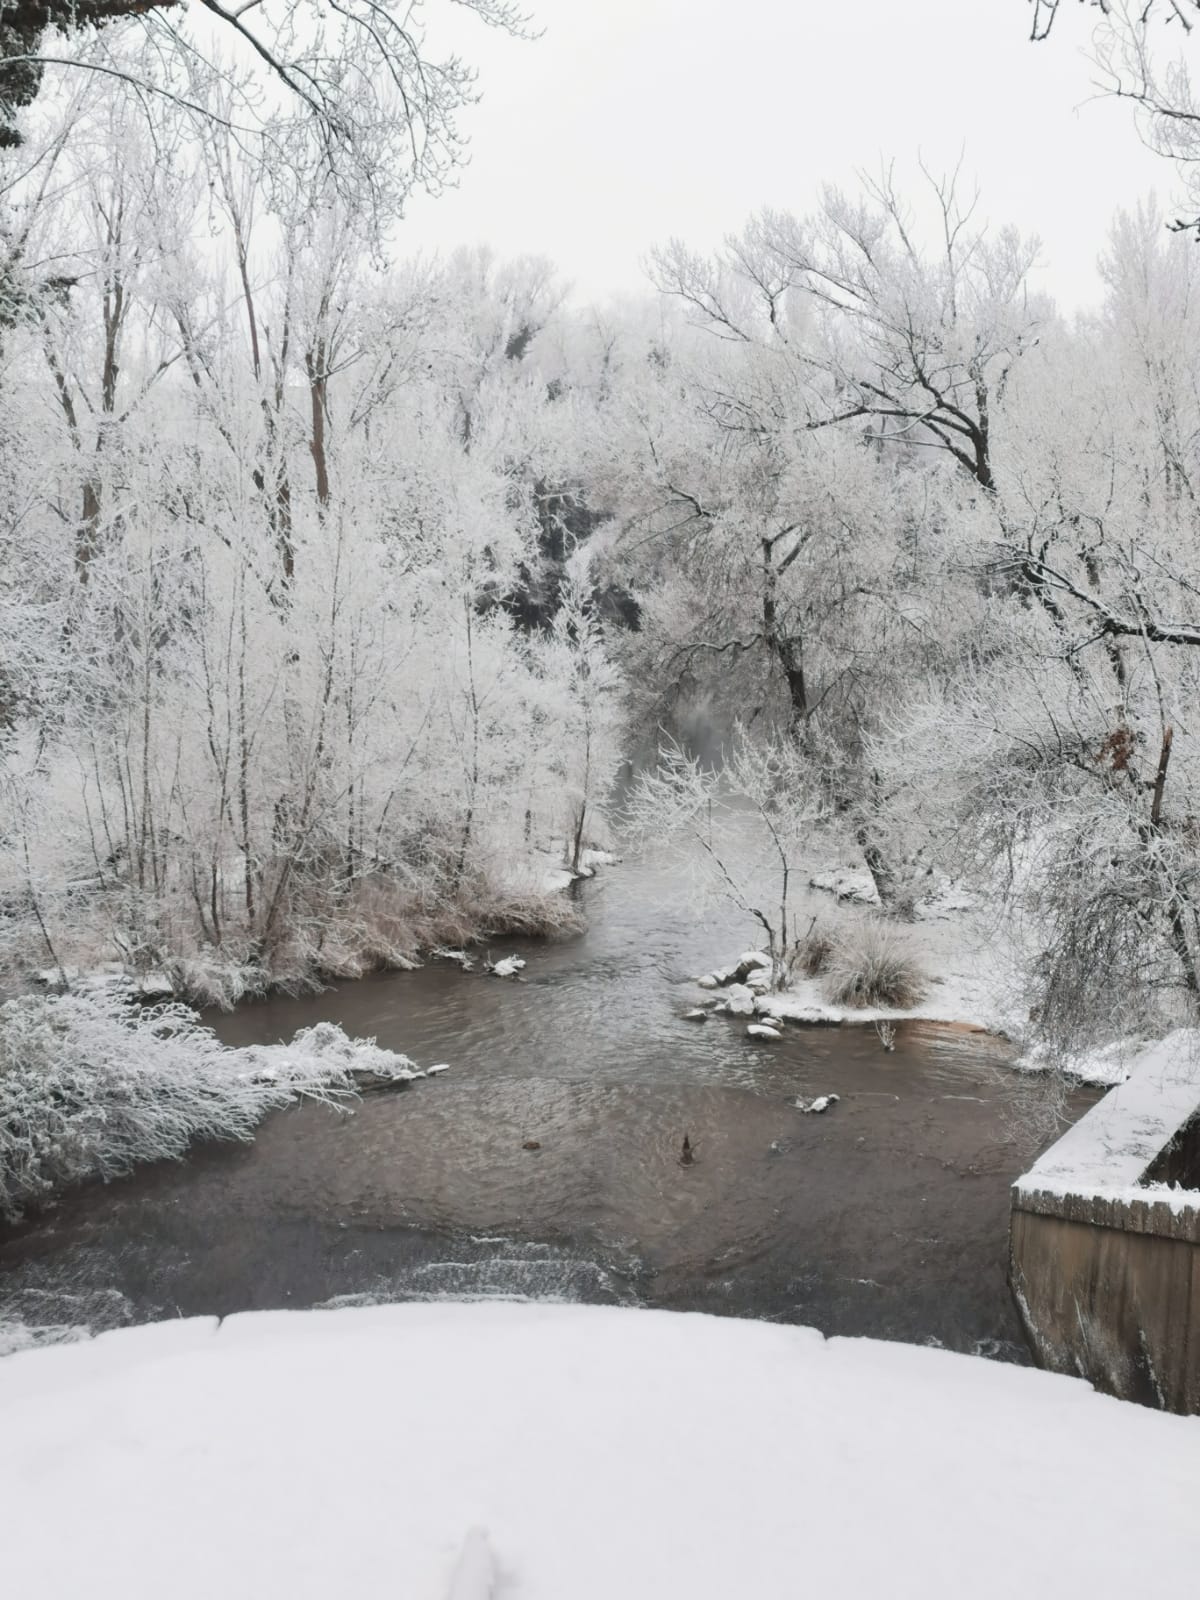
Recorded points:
630,121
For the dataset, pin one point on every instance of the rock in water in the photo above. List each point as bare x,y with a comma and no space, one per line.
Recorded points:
695,1016
760,1030
815,1107
507,968
740,1001
708,981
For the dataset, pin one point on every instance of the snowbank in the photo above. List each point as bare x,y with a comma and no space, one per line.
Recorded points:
570,1453
547,871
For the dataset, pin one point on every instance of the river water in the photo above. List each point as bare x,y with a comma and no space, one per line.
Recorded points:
887,1216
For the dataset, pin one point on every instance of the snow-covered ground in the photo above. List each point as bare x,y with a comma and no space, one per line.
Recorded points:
526,1452
547,872
972,972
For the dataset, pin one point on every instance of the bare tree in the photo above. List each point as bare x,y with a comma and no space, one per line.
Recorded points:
1127,47
356,77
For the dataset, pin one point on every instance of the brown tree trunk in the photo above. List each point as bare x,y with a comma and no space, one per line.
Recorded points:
785,648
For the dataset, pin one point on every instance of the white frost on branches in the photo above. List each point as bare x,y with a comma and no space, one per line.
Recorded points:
91,1085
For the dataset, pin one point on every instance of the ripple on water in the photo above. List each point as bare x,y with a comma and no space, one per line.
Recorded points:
886,1216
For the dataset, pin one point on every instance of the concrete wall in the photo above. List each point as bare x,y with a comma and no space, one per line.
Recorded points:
1107,1295
1104,1247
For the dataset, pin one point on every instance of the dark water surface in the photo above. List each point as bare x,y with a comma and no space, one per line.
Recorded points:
887,1216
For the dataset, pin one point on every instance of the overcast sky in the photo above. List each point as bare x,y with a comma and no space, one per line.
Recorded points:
630,121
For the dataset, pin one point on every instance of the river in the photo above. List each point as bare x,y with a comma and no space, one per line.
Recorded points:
887,1216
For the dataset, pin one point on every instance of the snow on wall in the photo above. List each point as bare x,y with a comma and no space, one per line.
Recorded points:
1107,1153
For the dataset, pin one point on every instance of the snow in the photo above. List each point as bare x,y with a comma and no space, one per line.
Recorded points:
817,1106
546,1452
739,1001
1107,1152
763,1030
91,1085
944,901
506,968
848,883
461,958
803,1001
1107,1064
973,984
550,869
555,879
108,977
598,858
475,1576
16,1336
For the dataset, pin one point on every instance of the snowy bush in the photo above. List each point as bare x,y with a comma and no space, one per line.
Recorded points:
871,964
90,1085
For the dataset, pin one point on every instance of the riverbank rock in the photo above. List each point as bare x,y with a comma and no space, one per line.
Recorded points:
817,1106
739,1002
753,970
461,957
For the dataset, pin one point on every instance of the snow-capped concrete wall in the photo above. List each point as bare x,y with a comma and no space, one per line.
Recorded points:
1105,1237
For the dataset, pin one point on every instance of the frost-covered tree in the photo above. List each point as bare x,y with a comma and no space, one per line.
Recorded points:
701,813
360,84
584,713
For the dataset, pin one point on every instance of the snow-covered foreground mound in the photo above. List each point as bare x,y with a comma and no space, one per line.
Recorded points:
602,1453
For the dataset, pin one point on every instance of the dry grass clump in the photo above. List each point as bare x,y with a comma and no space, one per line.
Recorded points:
812,954
329,931
872,964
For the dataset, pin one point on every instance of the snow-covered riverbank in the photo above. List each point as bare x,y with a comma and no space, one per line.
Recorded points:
594,1452
968,980
971,978
91,1085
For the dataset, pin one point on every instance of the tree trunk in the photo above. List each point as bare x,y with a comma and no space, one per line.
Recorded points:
785,648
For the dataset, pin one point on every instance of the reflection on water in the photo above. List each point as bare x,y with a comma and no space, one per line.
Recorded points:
887,1216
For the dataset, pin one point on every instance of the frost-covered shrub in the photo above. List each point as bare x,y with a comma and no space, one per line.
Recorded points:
871,964
90,1085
